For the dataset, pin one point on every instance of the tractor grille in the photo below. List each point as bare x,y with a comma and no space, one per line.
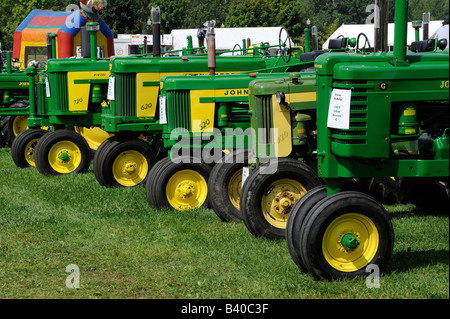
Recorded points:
60,92
41,106
126,95
264,123
178,106
357,134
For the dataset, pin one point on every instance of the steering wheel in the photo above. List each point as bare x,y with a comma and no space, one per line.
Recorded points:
365,42
285,44
236,47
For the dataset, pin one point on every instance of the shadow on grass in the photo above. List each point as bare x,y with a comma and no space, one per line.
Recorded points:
405,261
409,210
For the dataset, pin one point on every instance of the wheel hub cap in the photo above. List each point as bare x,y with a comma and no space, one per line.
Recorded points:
64,156
349,241
284,202
129,168
185,189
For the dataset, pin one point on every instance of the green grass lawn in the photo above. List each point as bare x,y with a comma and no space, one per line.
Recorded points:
125,249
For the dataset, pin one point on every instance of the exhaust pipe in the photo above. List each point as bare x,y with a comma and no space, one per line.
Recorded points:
426,25
315,38
156,31
401,31
211,43
381,25
51,45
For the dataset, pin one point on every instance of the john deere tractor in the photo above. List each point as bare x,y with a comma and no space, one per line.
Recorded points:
13,100
381,114
67,96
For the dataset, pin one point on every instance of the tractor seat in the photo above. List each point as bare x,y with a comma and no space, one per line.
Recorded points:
310,56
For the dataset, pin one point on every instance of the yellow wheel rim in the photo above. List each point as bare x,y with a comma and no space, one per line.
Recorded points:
186,190
20,124
363,229
29,152
130,168
94,136
234,188
278,200
64,157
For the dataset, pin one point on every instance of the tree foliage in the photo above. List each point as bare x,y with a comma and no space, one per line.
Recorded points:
130,16
267,13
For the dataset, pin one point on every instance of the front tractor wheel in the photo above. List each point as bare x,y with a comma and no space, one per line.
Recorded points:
182,186
24,145
62,152
343,234
267,199
123,163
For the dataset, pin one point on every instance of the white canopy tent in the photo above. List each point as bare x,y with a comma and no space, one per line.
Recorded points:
352,31
227,38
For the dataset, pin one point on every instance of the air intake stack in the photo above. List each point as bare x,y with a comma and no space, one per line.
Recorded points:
156,31
381,25
401,24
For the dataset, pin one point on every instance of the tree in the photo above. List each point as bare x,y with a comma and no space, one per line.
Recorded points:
190,14
438,9
123,16
172,13
267,13
12,13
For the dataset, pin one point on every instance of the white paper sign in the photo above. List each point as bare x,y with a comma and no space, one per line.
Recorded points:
111,89
162,110
339,109
245,174
47,87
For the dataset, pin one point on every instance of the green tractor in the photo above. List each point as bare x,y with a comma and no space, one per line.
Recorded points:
67,97
380,114
283,159
14,101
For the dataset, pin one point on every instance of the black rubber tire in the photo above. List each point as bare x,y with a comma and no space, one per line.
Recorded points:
156,187
49,140
296,219
7,122
104,167
20,143
2,139
256,185
325,212
220,177
97,159
384,189
153,178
